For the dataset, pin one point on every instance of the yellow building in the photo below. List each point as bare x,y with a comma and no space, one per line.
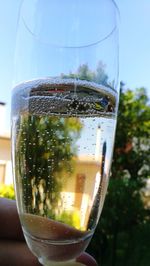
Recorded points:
5,160
5,150
80,189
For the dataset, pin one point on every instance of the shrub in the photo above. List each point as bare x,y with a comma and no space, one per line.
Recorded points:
7,191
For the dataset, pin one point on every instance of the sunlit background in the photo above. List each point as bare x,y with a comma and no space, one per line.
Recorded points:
134,72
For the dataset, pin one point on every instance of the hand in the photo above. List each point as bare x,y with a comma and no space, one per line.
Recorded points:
13,249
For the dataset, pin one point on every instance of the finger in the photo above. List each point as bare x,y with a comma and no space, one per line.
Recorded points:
87,260
10,227
13,253
17,253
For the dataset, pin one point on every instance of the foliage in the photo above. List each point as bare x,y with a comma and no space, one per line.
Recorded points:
7,191
123,232
84,73
45,146
70,218
132,152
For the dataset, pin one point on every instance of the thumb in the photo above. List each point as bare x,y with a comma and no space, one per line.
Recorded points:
87,260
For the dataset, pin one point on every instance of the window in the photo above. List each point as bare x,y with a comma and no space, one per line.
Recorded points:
79,190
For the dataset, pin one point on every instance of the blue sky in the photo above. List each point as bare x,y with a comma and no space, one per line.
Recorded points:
134,44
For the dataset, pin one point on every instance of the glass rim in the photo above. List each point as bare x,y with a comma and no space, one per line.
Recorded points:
106,36
54,45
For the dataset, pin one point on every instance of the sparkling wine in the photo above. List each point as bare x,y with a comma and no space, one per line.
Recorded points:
62,141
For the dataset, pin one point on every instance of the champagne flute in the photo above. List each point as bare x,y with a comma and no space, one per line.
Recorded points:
64,110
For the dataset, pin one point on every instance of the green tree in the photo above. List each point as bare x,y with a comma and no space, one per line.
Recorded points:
85,73
100,76
45,147
132,148
124,217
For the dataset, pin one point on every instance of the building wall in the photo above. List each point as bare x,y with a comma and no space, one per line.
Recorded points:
80,189
5,160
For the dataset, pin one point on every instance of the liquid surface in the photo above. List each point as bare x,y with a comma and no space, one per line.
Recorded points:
63,135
